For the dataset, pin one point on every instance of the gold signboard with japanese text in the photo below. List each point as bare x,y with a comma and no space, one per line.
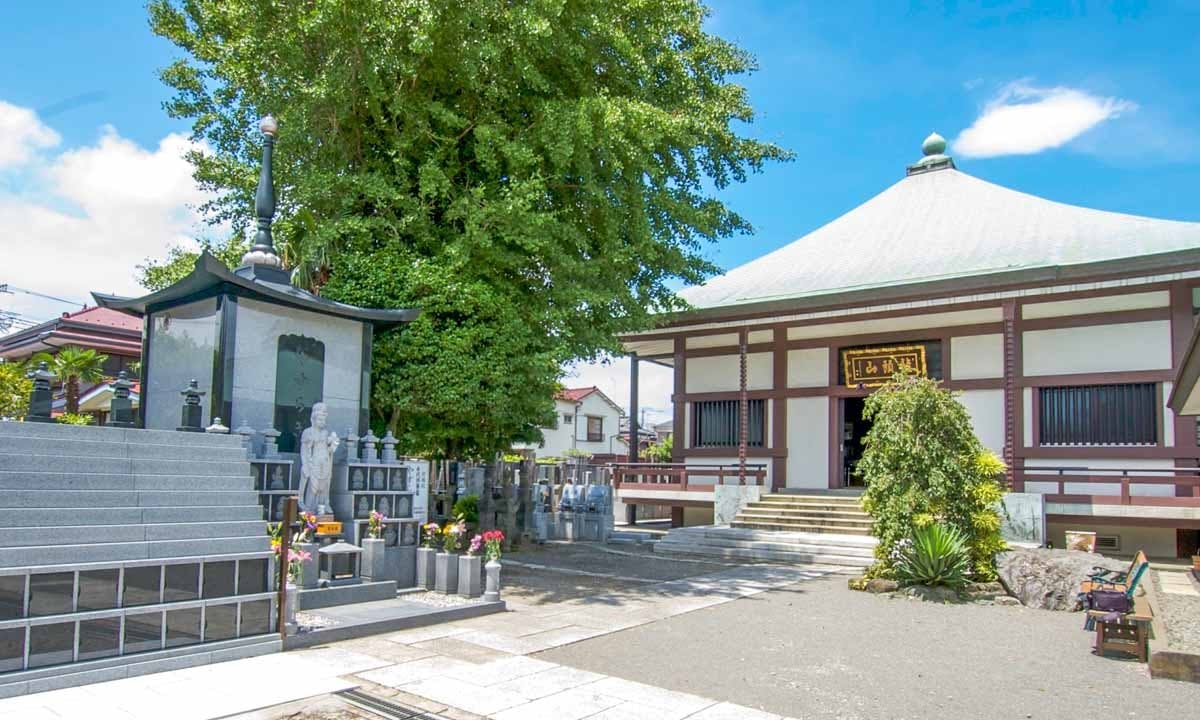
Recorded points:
874,366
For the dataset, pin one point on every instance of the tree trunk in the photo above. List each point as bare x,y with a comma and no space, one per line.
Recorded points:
73,394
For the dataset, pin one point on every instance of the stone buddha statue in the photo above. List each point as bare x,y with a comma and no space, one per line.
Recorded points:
317,445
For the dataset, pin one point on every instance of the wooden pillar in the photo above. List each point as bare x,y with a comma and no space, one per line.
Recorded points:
743,406
1182,324
676,516
779,429
285,546
679,418
633,407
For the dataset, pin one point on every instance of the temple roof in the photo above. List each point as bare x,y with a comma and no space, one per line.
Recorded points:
101,329
939,227
210,272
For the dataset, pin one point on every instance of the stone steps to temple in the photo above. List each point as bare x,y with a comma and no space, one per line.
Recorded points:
776,547
15,536
79,505
43,555
816,513
804,511
783,525
38,480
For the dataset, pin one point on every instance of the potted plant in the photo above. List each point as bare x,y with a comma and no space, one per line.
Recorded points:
374,559
446,575
470,569
492,540
426,565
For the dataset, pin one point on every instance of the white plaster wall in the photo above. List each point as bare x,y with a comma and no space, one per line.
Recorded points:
976,356
556,440
256,345
707,341
721,373
808,368
1027,416
1089,306
986,408
1098,348
1158,543
808,442
893,324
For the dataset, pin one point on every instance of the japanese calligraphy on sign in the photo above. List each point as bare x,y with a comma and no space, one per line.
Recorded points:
872,367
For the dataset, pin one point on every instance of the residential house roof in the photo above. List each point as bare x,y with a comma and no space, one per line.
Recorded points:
99,328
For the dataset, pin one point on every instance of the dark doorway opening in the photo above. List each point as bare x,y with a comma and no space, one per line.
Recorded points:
854,429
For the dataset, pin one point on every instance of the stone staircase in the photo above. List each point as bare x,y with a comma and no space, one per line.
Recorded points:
769,546
100,520
825,514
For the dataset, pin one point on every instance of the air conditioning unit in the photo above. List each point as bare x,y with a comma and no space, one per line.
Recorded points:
1108,543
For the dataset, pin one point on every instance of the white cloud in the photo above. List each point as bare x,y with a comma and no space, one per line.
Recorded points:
22,134
655,385
81,219
1023,120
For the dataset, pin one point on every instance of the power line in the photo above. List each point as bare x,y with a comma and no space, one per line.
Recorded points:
12,289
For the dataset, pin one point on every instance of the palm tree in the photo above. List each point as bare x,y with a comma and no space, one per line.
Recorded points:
74,365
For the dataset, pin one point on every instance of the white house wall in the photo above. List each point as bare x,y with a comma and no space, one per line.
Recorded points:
808,442
1098,348
1094,305
808,368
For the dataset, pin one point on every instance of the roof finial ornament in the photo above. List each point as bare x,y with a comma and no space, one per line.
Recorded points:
263,250
934,150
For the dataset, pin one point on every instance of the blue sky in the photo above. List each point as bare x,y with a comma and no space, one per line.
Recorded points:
1090,103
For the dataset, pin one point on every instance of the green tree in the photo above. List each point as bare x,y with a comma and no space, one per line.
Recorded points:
923,465
154,274
661,452
74,365
14,390
534,175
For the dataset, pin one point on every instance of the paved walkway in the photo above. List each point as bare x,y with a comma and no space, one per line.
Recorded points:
470,669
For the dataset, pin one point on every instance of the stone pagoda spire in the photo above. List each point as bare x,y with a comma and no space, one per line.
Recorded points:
263,250
934,150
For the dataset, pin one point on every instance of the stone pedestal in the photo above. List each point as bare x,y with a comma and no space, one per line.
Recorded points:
470,576
406,565
426,568
309,569
374,559
446,575
492,591
292,594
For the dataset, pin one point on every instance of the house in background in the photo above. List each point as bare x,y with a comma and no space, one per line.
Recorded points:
112,333
587,421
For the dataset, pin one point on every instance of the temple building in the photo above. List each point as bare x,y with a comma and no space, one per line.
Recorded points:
1063,328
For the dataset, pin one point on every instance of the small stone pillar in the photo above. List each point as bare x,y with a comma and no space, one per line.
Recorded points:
369,455
120,408
40,398
389,448
190,418
351,441
247,434
270,438
217,427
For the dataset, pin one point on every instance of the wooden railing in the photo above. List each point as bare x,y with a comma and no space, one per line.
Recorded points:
681,476
1118,484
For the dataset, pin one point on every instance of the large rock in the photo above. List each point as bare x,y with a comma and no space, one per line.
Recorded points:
1049,579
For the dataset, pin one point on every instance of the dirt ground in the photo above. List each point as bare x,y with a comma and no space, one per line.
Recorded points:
820,650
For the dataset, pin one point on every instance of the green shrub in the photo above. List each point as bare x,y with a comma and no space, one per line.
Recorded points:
936,555
14,390
923,465
75,419
467,508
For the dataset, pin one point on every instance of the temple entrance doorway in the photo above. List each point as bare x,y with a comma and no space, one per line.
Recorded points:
854,429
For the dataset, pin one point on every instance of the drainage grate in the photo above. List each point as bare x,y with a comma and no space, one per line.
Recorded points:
385,708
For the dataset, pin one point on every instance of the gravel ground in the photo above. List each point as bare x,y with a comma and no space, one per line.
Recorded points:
438,599
1182,617
820,650
538,586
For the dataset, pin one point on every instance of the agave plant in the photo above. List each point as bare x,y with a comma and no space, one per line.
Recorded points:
938,555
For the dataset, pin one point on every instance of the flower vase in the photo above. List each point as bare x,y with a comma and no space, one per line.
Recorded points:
309,571
492,591
426,567
374,559
292,598
470,576
446,576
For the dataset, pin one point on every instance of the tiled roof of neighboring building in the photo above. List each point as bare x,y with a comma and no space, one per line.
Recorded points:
105,317
105,330
938,224
576,394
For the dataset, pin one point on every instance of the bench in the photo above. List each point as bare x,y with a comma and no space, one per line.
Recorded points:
1130,633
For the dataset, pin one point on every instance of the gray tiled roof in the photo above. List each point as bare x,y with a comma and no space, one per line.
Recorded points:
935,226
